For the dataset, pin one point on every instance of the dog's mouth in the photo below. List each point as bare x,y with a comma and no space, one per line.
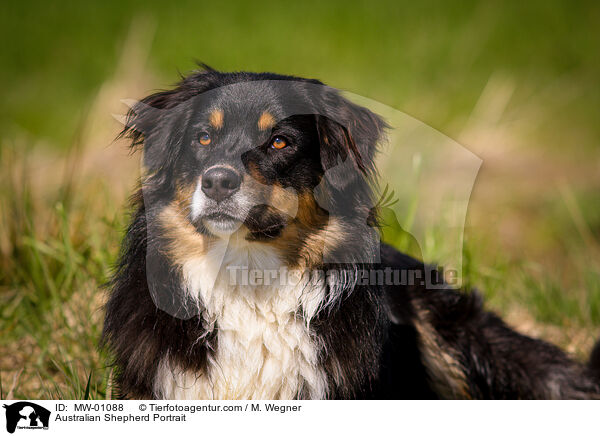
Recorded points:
219,216
219,223
262,223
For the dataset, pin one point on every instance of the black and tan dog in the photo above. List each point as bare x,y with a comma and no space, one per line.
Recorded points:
242,175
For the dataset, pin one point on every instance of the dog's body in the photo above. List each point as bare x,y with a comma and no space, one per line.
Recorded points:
239,178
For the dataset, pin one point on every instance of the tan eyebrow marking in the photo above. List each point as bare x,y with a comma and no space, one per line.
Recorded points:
266,121
216,118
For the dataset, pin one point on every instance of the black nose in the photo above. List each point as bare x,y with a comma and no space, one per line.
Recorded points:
220,183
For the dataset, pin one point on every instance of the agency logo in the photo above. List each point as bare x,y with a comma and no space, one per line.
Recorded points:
26,415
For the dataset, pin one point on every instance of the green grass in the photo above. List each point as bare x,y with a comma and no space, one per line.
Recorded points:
515,82
56,255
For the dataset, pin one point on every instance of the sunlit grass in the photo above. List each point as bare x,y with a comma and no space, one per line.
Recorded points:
55,260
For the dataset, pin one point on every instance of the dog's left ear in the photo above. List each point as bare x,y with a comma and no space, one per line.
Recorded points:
347,131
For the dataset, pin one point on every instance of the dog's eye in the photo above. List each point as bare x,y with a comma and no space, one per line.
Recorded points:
204,138
278,142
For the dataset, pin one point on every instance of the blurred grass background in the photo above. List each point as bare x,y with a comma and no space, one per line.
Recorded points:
514,82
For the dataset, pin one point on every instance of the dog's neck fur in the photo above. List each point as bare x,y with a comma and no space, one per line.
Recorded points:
265,348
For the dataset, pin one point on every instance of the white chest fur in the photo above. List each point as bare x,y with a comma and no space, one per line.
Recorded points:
265,349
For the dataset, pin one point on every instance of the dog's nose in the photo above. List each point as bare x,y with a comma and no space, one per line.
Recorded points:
220,183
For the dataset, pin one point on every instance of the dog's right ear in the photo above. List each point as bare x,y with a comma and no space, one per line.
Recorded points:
149,125
158,122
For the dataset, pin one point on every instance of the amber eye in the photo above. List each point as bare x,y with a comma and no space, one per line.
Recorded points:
278,142
204,138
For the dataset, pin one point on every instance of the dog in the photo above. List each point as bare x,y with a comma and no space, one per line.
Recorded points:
247,172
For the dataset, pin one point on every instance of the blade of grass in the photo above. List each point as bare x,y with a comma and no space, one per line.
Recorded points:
86,396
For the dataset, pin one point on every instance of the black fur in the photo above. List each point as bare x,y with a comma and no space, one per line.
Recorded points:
381,341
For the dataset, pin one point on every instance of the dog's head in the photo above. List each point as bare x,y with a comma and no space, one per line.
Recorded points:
272,159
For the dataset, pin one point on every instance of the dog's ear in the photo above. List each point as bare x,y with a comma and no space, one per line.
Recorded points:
347,131
158,122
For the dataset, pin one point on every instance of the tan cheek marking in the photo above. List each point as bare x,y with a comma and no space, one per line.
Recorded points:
255,175
309,214
183,240
274,195
216,118
183,193
323,241
284,200
310,236
266,121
